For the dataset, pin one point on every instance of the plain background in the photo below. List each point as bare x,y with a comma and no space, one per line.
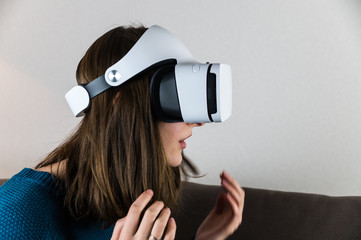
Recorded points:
296,123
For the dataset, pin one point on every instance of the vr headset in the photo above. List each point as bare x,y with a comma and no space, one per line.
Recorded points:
182,89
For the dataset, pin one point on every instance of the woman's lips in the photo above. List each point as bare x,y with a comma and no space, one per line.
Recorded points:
183,144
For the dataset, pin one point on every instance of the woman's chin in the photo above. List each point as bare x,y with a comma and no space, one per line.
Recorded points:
175,161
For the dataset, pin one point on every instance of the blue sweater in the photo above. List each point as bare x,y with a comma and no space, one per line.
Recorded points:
31,207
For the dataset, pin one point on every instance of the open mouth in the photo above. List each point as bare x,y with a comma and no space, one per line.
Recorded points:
182,142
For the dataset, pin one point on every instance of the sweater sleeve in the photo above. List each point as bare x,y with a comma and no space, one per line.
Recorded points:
28,210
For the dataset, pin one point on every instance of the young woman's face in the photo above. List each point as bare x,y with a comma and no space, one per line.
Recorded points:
173,136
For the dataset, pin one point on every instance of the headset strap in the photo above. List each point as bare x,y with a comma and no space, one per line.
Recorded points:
97,86
155,46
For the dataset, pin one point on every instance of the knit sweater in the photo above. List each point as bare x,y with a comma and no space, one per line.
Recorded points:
31,207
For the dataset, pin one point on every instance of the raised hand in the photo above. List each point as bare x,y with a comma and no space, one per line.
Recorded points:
226,216
155,220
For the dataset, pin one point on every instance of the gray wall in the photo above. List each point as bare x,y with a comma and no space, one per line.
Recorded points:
296,121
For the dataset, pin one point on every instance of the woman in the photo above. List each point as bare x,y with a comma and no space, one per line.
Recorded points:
118,175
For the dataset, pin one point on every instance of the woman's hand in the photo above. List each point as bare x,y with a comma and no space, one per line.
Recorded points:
226,216
154,222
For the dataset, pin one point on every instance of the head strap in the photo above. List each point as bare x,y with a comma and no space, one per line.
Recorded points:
155,46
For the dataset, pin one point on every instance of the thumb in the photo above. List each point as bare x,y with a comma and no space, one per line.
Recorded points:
118,228
221,202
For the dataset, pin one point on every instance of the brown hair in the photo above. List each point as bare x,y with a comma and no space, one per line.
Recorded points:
116,152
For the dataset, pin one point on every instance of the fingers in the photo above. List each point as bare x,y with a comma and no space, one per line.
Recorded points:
232,187
220,203
237,210
118,228
149,219
172,227
235,197
154,222
161,223
135,210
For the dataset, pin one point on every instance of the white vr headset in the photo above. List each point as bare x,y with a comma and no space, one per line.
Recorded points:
182,89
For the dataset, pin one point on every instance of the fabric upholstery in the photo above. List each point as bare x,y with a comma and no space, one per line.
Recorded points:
274,215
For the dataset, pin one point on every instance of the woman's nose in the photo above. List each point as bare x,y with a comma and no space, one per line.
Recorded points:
196,124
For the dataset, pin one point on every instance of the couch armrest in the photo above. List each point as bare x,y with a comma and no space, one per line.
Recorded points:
275,215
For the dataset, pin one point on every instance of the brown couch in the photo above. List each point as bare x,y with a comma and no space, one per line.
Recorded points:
275,215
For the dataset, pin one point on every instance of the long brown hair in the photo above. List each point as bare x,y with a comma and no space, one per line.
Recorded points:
116,152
